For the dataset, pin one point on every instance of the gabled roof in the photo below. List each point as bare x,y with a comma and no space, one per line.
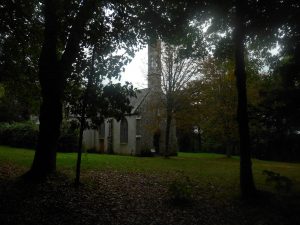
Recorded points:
135,102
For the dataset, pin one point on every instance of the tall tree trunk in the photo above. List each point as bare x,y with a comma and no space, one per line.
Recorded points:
246,176
44,161
52,76
168,123
82,127
168,128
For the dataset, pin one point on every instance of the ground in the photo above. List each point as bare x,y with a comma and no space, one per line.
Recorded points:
136,190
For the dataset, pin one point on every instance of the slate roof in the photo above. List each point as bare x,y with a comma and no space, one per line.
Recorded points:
135,102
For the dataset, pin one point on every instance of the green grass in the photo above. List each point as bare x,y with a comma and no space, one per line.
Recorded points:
207,169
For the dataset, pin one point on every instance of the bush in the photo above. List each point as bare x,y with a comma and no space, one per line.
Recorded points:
146,153
281,183
180,190
91,150
68,140
25,135
19,134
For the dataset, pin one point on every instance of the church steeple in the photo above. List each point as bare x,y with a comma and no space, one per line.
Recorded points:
154,65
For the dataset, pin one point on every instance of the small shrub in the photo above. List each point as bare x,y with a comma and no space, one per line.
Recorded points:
91,150
68,140
23,134
281,183
146,153
4,133
180,190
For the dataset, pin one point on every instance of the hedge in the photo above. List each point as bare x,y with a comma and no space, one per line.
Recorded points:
19,134
25,135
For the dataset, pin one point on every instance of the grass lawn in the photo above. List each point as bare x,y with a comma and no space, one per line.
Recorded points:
131,190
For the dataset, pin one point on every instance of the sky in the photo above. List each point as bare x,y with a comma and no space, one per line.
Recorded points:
136,71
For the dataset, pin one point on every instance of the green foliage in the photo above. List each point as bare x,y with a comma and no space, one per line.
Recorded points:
19,134
210,103
180,190
19,98
20,44
25,135
275,120
89,96
68,140
280,183
2,91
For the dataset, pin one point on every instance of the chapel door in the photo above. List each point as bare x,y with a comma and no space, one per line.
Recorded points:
156,139
101,145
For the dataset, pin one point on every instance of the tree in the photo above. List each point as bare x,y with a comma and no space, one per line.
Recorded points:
90,100
120,24
221,20
52,76
20,39
274,122
246,176
68,27
212,105
241,15
177,70
259,26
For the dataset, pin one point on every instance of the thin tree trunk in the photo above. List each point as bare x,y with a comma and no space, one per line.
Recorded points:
83,118
246,176
82,127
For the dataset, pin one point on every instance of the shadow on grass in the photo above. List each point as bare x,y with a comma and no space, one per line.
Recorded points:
272,208
53,201
120,198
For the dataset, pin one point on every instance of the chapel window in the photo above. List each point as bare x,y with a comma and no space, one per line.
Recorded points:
102,130
124,131
138,126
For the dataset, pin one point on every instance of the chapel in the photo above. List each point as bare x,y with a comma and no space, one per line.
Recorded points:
142,131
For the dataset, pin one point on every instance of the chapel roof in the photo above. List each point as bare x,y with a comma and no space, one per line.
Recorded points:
135,102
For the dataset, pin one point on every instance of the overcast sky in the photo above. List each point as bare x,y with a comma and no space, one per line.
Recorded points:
136,71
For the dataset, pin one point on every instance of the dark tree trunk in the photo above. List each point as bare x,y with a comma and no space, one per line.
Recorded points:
82,127
168,126
44,161
246,176
52,76
168,123
199,140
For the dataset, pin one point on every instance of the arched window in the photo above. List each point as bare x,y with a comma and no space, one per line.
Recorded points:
102,130
124,131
